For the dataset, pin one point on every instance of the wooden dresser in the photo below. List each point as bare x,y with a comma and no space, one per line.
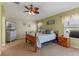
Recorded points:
63,41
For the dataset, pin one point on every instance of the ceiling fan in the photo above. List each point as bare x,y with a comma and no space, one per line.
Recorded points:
17,2
32,10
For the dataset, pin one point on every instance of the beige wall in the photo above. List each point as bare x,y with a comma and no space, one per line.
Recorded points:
0,29
2,25
58,20
20,28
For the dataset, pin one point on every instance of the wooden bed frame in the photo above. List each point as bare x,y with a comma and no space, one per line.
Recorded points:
32,39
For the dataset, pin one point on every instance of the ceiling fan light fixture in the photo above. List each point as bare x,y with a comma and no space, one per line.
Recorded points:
31,13
32,10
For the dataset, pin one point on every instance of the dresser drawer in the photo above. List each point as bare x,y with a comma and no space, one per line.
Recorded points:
63,41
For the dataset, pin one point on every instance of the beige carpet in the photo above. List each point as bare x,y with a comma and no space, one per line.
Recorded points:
20,48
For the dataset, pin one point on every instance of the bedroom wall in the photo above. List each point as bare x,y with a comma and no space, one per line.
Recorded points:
0,28
58,20
3,25
20,28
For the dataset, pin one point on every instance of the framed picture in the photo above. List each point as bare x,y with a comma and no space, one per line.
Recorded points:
50,22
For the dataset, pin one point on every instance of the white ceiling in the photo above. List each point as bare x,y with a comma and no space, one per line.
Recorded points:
45,8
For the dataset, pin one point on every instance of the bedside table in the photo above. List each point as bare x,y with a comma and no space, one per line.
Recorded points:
63,41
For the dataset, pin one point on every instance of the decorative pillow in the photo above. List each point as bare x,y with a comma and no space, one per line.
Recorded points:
48,32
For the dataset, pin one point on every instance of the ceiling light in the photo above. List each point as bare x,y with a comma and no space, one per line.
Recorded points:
31,13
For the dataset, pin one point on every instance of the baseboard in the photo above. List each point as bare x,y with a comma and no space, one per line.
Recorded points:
20,38
3,44
0,52
74,46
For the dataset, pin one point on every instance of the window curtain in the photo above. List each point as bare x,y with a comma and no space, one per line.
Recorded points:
71,20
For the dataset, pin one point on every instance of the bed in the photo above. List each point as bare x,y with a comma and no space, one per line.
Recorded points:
42,38
37,39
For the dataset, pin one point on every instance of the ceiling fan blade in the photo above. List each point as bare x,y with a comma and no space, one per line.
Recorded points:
31,6
26,11
37,12
26,7
36,8
17,2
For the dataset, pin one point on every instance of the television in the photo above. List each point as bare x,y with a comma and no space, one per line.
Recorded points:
74,34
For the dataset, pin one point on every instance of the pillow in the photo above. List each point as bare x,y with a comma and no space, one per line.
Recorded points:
48,32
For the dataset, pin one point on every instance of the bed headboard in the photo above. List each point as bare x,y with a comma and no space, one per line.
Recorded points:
56,32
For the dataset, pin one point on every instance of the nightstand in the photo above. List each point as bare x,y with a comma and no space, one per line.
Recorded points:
63,41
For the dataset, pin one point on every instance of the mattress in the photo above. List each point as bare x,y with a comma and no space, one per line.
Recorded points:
44,38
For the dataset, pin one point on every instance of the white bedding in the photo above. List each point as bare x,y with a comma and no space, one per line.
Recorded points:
44,38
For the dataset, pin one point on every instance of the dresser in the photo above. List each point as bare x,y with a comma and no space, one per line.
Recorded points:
63,41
